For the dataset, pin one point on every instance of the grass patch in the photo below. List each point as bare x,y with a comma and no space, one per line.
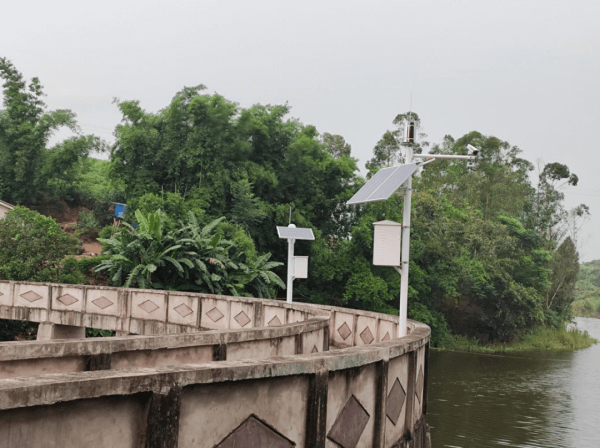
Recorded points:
540,339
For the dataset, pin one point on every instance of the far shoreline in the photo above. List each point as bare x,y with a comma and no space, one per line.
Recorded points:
539,340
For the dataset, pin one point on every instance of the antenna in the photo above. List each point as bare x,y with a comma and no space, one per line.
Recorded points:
409,130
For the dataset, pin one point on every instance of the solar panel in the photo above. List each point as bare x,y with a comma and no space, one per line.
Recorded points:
295,233
383,184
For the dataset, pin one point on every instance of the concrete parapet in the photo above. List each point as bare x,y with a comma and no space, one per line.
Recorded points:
47,332
282,376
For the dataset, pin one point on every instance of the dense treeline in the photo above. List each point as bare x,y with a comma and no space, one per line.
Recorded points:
587,294
491,250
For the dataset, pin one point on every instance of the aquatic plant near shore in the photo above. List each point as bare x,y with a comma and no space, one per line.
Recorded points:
539,339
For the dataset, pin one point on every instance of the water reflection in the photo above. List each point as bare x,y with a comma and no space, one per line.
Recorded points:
518,400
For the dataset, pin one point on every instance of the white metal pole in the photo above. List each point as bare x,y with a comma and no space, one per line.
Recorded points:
290,277
405,249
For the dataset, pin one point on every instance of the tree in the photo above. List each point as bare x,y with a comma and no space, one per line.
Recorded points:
246,210
587,294
497,185
546,213
560,295
388,150
250,165
336,145
28,170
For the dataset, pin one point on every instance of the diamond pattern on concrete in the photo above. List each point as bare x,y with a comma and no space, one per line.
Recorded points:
254,433
366,336
31,296
315,349
149,306
350,424
215,315
67,299
395,401
275,322
102,302
242,319
344,331
386,337
420,381
183,310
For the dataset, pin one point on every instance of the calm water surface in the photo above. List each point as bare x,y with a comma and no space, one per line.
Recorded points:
517,400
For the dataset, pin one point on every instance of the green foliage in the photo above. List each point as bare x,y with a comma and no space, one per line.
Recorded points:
188,257
336,145
98,333
207,181
559,297
87,226
32,247
436,321
388,150
587,293
71,272
538,339
96,182
109,231
29,170
12,329
174,207
246,210
80,271
249,165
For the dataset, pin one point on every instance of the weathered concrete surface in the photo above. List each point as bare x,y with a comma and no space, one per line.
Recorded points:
397,386
113,422
222,408
41,366
35,358
48,332
264,377
160,358
351,403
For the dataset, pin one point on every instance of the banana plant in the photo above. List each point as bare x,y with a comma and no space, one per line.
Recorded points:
190,258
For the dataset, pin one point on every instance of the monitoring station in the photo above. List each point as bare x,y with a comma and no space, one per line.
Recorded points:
297,266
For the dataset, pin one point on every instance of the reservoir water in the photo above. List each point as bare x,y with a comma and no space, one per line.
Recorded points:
516,400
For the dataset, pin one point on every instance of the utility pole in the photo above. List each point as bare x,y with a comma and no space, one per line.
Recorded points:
383,185
291,269
409,139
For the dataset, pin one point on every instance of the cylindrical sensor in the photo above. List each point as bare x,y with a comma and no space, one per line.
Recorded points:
409,132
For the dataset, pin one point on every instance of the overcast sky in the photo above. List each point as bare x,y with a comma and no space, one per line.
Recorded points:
524,71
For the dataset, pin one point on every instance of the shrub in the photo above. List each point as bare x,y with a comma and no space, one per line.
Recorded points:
71,272
87,226
32,247
187,258
106,232
104,212
435,320
82,271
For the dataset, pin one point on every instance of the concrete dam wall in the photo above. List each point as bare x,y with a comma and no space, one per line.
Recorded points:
200,370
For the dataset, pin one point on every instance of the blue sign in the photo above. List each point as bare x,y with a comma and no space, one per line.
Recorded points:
120,210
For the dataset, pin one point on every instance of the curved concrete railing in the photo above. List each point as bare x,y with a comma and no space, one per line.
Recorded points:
241,383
